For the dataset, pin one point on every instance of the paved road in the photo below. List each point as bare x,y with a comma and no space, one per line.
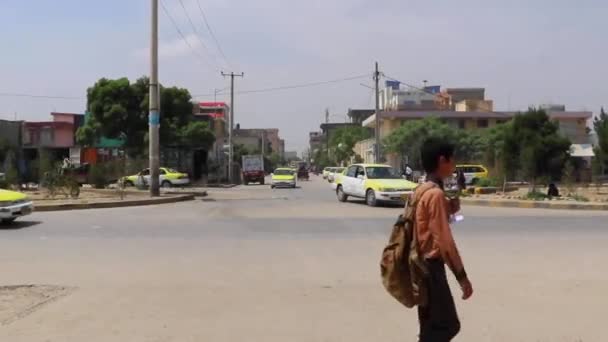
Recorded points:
295,265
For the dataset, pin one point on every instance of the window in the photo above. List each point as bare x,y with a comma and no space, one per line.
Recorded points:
461,124
145,172
360,172
482,123
352,172
382,172
162,172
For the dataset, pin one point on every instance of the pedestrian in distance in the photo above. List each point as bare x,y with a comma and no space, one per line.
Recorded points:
438,318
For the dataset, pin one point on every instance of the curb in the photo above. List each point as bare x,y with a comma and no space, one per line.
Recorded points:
534,204
106,205
193,193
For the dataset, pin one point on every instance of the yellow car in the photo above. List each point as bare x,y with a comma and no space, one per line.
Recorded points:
13,205
473,173
168,178
283,178
374,182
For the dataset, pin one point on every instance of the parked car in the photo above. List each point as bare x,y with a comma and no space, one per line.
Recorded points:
14,205
473,173
326,172
283,178
331,177
168,178
374,182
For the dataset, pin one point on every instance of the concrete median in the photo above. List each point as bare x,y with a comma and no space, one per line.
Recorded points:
112,204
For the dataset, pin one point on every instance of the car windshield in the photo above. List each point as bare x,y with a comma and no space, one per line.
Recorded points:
283,172
169,170
382,172
340,170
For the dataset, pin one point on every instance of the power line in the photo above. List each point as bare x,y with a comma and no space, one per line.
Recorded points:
42,96
296,86
183,36
181,2
217,43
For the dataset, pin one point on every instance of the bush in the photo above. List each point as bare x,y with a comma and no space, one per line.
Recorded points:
98,177
536,196
488,182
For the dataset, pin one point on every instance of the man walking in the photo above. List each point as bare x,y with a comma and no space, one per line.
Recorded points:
438,318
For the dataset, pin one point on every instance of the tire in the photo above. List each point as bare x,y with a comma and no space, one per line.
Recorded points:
8,221
166,184
342,197
370,198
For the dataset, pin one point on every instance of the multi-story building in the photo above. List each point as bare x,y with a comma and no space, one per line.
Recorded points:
357,116
572,124
216,115
264,140
315,141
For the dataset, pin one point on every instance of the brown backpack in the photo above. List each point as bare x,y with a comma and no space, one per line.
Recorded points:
402,268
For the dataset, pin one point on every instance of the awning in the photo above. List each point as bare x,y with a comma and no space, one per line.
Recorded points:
581,150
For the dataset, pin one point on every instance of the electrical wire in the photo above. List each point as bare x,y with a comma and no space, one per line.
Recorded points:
181,2
295,86
217,43
179,31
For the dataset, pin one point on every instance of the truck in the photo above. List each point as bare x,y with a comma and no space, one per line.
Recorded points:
253,169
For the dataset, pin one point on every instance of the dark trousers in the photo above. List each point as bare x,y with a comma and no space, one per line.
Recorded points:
438,319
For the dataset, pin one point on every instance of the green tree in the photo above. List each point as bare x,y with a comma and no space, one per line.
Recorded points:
119,109
532,144
343,141
196,134
600,126
407,140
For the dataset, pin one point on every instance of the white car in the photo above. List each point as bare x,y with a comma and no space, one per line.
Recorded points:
13,205
334,171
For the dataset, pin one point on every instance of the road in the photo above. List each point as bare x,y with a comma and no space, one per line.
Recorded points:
254,264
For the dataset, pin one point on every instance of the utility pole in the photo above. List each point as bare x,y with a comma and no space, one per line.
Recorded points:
377,150
154,115
231,125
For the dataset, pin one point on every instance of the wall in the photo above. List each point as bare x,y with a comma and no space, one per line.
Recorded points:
63,137
575,130
11,132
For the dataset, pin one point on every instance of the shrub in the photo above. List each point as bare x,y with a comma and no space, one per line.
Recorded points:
98,177
488,182
535,196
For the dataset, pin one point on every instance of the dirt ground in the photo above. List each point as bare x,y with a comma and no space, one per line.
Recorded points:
20,300
590,193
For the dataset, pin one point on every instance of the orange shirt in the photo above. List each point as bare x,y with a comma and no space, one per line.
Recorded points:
435,239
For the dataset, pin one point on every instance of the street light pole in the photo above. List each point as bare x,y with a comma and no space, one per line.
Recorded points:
154,111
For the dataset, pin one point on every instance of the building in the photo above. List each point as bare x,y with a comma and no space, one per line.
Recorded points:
357,116
462,94
216,115
572,124
315,141
264,140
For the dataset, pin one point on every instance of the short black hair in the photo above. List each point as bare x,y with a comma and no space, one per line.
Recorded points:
432,149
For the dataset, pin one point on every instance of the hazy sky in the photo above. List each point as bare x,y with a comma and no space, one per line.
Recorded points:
522,52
